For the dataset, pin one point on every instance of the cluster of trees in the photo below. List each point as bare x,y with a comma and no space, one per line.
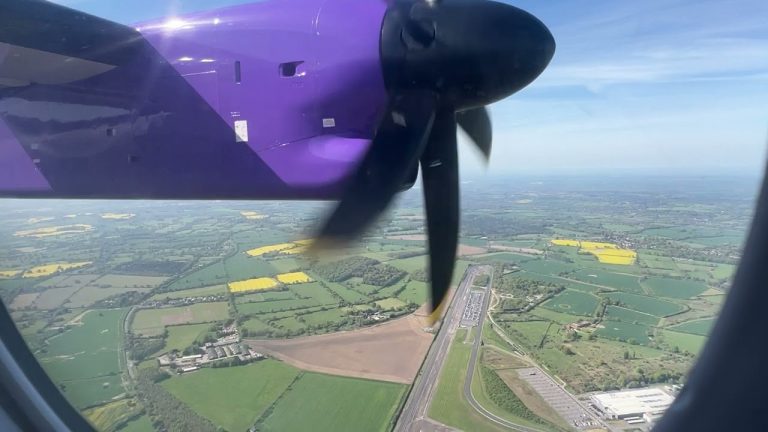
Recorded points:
522,289
123,299
420,275
501,395
344,269
636,379
382,275
141,348
152,268
165,411
406,254
518,286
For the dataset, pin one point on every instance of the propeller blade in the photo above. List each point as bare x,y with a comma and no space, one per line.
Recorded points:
440,175
477,124
391,158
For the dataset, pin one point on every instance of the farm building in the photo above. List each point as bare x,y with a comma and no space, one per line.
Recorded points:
633,403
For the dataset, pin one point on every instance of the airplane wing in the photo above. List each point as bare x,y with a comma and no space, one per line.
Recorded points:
89,109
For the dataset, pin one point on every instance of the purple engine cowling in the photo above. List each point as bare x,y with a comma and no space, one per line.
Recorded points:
277,99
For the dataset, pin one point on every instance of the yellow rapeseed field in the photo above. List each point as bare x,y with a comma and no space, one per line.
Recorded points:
53,231
9,273
49,269
563,242
256,284
271,248
607,253
252,215
294,278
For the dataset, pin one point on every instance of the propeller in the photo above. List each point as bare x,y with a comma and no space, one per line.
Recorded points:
442,62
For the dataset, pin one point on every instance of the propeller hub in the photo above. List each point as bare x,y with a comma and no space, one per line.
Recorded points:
469,52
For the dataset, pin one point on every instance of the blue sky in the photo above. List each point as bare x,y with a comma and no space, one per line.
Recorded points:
652,85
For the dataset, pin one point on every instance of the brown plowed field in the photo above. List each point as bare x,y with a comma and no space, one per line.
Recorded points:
392,351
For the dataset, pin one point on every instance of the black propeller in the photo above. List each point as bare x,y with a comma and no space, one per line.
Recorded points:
442,61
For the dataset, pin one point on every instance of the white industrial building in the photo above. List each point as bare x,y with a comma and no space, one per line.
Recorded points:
646,403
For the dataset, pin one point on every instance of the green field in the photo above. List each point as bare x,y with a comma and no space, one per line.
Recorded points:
349,295
409,264
700,327
315,291
674,288
256,326
415,292
548,267
621,282
289,323
265,296
212,274
684,341
573,302
285,265
241,266
616,313
528,332
624,331
152,322
645,304
505,257
323,317
390,303
182,336
233,397
85,358
194,292
319,402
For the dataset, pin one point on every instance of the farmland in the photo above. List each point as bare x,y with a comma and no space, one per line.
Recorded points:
256,284
356,405
591,313
233,398
152,322
573,302
236,398
84,360
674,288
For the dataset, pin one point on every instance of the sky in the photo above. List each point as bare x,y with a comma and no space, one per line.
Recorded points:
667,86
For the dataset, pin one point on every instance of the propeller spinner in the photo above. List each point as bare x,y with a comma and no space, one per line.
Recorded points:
443,61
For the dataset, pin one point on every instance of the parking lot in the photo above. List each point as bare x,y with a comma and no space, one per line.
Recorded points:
471,314
558,398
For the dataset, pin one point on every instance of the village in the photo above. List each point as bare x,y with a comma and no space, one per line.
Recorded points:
212,354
